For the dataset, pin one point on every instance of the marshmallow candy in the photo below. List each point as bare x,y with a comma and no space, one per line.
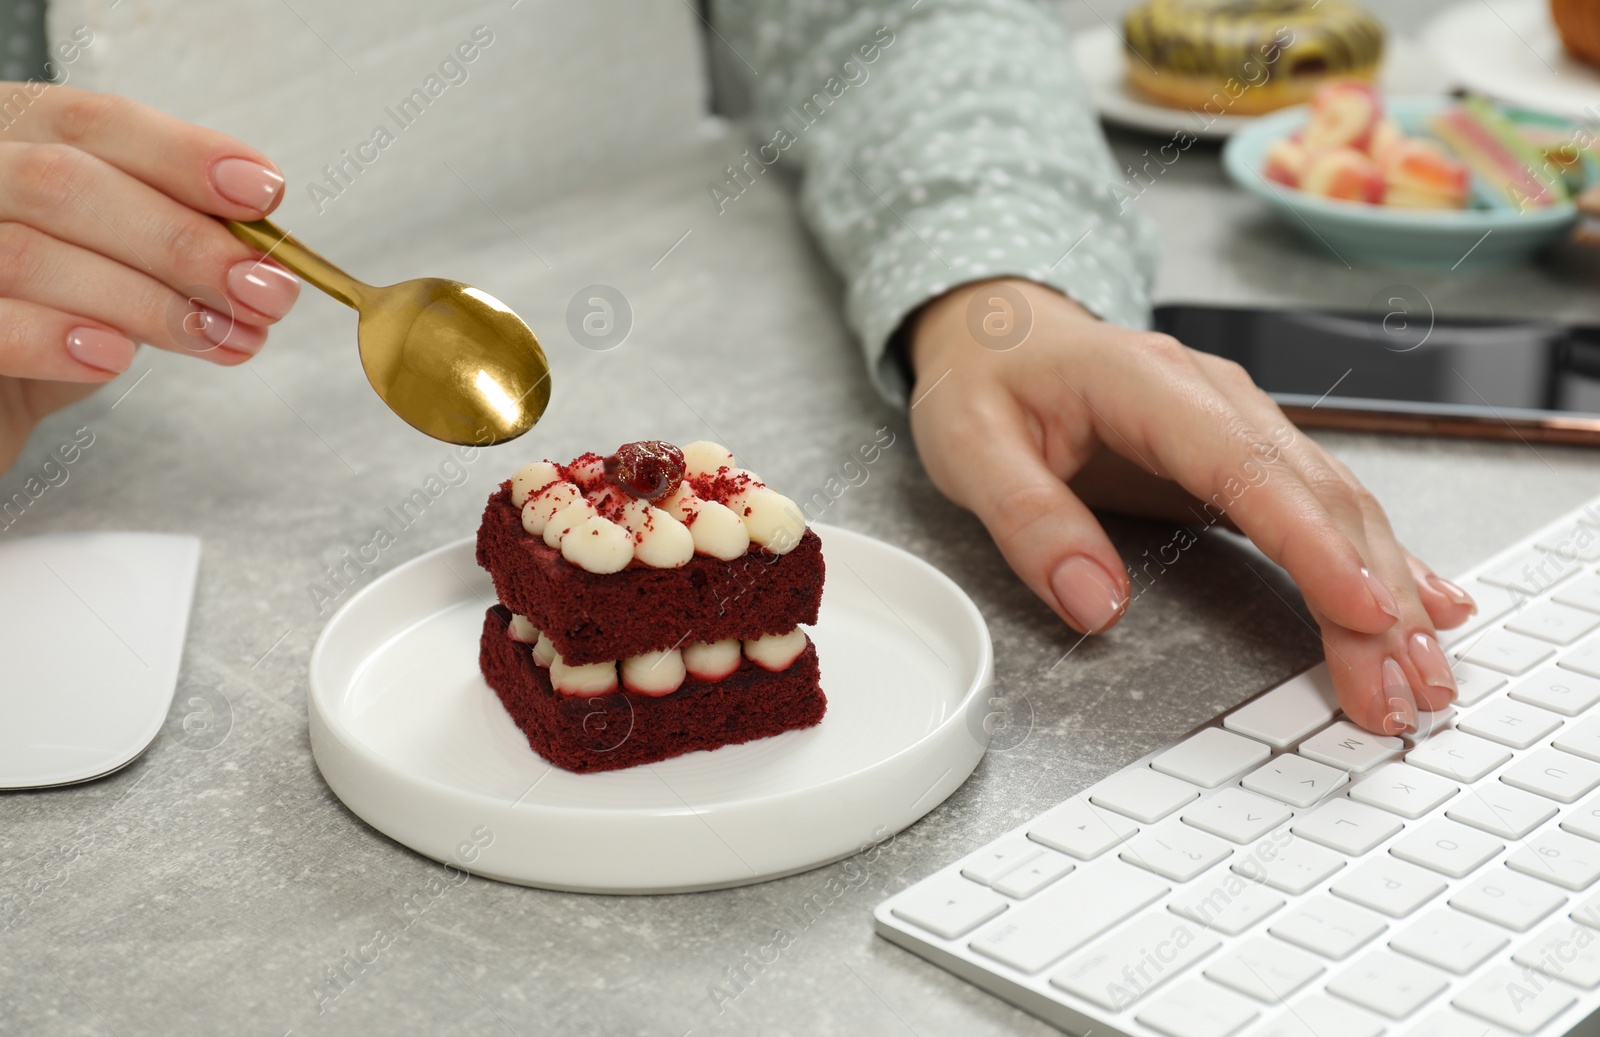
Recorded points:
522,630
712,660
584,681
567,519
530,479
704,458
773,520
544,652
654,673
598,545
776,652
539,508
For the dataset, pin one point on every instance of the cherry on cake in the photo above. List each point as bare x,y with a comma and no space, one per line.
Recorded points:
651,604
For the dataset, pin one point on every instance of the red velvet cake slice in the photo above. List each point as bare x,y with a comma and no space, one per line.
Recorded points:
658,590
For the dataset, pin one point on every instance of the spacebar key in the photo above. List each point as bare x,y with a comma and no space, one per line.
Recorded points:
1074,911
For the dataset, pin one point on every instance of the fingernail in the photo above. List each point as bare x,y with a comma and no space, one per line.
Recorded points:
1453,592
1087,593
103,349
1400,705
1428,658
247,183
1381,595
205,323
264,287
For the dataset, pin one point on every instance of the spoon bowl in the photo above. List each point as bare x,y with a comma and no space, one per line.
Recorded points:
451,360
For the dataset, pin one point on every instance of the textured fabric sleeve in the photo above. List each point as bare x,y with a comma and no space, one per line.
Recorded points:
937,143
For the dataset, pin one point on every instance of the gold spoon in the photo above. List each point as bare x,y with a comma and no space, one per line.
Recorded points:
452,360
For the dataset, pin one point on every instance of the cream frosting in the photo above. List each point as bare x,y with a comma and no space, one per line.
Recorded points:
584,681
776,652
712,660
654,673
522,630
662,673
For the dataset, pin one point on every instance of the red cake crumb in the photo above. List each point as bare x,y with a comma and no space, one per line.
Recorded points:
594,618
622,729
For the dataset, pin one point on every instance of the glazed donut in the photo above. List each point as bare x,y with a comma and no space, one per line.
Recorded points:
1578,22
1245,57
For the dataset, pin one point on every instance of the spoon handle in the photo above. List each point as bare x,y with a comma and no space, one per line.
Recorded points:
286,249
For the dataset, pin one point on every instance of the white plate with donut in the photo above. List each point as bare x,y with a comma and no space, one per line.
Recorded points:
1103,63
408,735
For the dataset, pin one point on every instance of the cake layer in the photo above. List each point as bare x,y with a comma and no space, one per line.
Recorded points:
623,729
593,617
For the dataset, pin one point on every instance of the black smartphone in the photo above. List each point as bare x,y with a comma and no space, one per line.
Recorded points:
1401,368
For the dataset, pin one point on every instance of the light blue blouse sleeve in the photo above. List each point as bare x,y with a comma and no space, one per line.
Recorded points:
937,142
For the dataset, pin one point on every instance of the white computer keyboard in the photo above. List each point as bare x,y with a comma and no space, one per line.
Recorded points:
1281,873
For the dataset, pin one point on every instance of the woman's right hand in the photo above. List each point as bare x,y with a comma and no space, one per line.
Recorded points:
109,237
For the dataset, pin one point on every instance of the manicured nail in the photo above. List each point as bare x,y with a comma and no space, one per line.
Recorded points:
1400,705
1453,592
1428,658
103,349
1380,595
247,183
264,287
205,323
1087,593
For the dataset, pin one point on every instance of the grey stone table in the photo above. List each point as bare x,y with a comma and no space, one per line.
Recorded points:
216,890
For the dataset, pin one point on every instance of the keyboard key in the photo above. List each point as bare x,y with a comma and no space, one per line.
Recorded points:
1566,951
1582,593
1532,572
1501,810
1226,902
1293,867
1347,826
1213,756
1349,748
1451,940
1197,1009
1175,850
1474,683
1588,912
1142,794
1447,1022
1511,654
1237,815
1509,899
1288,712
1549,621
1458,755
1027,879
1402,789
1566,860
1084,831
997,858
1393,887
1584,659
1581,740
1447,847
1330,1017
1118,970
1266,969
1577,543
948,906
1503,996
1389,984
1584,819
1515,724
1558,690
1068,915
1328,926
1553,774
1294,780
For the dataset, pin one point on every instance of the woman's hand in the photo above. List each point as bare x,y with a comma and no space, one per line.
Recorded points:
108,238
1002,426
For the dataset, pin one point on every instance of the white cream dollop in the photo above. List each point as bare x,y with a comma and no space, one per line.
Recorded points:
544,652
717,531
568,518
589,474
776,652
536,513
530,479
586,681
661,541
598,546
712,660
773,520
704,457
654,673
522,630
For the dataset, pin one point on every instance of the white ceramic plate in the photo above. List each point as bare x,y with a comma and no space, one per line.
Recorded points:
407,733
1509,50
1103,62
